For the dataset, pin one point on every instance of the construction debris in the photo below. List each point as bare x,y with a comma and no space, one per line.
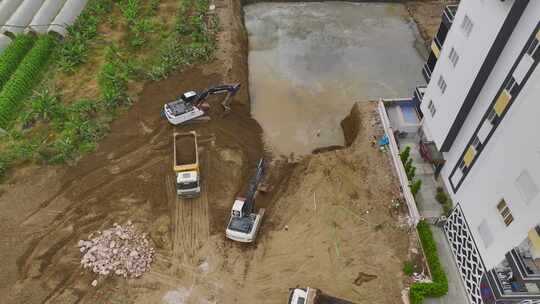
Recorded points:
120,250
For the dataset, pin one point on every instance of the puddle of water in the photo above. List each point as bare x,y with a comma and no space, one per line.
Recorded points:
308,63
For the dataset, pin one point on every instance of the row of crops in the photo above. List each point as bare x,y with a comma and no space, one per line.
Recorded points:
20,68
42,125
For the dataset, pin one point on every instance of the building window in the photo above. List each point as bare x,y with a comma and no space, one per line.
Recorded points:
491,116
441,84
510,85
467,25
476,143
533,46
485,233
453,56
462,165
505,213
526,186
431,108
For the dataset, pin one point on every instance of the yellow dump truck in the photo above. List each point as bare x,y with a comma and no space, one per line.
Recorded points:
186,164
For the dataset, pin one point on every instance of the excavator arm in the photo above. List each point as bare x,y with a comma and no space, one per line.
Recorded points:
226,88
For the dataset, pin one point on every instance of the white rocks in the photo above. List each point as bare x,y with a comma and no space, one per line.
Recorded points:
120,250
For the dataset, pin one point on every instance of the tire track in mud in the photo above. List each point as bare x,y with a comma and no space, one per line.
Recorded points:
191,222
144,153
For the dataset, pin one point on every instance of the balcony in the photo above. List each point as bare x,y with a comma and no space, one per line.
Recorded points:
426,72
517,277
449,14
418,95
526,258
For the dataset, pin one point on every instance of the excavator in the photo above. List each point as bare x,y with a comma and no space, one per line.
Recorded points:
244,223
191,104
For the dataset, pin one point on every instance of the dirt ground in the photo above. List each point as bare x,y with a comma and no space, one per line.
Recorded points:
427,14
328,221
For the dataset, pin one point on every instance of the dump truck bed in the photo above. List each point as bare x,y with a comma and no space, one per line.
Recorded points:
185,151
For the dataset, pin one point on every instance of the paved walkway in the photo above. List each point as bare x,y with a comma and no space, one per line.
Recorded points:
430,208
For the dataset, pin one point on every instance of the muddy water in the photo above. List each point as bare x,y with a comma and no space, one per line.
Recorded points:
308,62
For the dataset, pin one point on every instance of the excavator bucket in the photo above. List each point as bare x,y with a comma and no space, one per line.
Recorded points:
228,99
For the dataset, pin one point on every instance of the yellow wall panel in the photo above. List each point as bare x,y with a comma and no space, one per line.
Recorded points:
502,102
469,156
535,240
435,49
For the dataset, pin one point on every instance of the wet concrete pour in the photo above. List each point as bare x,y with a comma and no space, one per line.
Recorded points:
308,63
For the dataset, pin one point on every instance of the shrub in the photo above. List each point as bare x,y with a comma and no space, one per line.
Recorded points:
415,187
44,105
23,80
408,268
439,287
13,55
444,200
404,155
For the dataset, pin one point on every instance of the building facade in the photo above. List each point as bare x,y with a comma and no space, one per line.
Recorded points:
481,109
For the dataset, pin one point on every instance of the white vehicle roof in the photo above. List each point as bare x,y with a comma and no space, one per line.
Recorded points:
238,203
186,177
190,94
299,296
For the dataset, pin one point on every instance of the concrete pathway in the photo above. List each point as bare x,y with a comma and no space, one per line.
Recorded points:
430,208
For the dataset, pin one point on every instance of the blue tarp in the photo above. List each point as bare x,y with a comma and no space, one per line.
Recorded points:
384,140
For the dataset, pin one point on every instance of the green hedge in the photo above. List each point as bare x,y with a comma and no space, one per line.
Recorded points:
23,80
439,287
12,56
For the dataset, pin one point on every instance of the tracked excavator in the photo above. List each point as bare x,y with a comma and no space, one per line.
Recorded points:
244,223
191,104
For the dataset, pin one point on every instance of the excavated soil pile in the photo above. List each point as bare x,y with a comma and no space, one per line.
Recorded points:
351,124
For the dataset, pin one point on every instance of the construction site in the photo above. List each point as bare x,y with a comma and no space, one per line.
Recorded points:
288,124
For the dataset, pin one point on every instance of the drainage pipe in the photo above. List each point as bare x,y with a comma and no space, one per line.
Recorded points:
66,17
44,17
21,18
7,8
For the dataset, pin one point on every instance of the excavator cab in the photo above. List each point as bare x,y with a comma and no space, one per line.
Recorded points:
239,207
190,96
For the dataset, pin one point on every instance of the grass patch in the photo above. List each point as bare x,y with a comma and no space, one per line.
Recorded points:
194,39
439,287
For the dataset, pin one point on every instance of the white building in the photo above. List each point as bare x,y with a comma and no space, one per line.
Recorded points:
481,108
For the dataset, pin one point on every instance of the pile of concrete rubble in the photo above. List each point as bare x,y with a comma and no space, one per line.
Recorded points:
120,250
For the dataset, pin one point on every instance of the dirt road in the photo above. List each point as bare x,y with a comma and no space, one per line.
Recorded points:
328,220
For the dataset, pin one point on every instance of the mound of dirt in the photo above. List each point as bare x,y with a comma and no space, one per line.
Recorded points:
332,228
351,125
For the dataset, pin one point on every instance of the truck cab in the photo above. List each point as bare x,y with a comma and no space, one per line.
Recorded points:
310,295
188,184
298,296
